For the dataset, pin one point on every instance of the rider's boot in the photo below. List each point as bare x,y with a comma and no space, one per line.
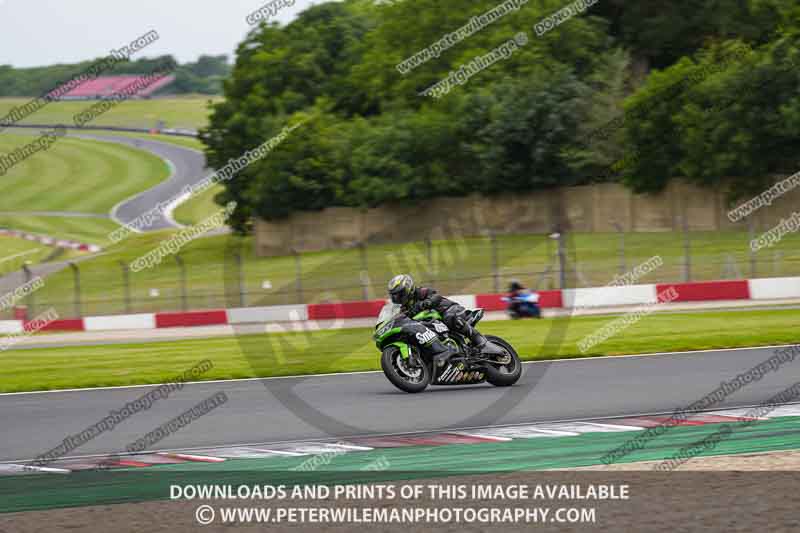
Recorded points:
441,352
482,344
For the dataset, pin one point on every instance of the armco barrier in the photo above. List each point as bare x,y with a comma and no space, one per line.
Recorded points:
466,300
194,318
51,241
494,302
10,326
609,296
768,288
68,324
774,288
118,322
704,291
274,313
345,310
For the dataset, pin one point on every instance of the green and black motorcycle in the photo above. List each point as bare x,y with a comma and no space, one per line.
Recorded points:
409,366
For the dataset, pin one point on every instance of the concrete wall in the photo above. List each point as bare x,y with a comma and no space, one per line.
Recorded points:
603,207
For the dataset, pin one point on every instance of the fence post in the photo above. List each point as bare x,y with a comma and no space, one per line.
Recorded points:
562,261
182,270
753,260
429,253
76,284
623,267
495,261
777,263
30,302
240,282
364,275
126,283
687,247
298,267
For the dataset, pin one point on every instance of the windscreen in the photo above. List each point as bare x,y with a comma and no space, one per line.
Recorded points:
389,310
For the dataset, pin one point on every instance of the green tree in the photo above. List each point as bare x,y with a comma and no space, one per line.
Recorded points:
726,119
660,33
516,132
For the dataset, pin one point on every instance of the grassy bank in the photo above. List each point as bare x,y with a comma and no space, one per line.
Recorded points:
89,230
76,175
352,349
14,252
187,112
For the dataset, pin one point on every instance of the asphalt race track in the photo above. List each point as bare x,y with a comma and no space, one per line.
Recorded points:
262,411
188,168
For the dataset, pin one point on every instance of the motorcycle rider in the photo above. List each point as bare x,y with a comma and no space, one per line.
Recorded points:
403,291
519,299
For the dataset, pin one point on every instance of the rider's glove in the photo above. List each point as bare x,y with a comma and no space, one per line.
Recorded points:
417,308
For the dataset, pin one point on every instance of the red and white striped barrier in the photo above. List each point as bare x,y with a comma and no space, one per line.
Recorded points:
705,291
758,289
774,288
51,241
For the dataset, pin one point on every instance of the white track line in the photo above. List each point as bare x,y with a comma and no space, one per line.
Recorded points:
487,437
279,452
351,447
169,210
556,433
42,469
191,457
616,427
571,360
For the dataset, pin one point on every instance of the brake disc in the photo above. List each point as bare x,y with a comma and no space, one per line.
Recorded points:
504,360
402,365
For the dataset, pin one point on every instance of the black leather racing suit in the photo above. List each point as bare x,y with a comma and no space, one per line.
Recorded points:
453,314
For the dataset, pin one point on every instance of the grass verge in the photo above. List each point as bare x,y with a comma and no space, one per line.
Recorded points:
199,207
348,350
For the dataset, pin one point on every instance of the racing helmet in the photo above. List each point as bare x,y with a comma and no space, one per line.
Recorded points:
401,289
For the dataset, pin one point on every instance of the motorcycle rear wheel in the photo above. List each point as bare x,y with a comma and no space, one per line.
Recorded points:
507,374
403,376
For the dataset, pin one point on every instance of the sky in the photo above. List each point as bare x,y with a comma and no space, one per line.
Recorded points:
44,32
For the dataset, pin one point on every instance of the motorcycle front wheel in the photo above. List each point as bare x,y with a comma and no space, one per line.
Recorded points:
402,373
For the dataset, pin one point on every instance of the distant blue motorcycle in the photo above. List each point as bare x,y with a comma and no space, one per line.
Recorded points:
523,304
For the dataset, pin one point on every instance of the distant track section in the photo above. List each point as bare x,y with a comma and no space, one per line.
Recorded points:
188,168
166,131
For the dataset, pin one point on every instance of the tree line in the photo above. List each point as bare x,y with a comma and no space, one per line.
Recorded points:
698,89
203,76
